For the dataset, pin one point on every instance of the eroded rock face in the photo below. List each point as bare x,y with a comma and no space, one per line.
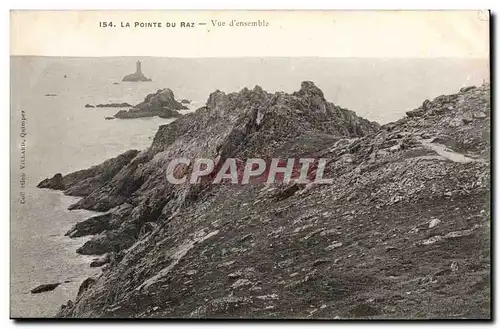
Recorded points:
86,284
83,182
162,104
357,248
90,226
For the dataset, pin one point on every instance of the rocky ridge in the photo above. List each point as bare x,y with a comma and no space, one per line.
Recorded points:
403,231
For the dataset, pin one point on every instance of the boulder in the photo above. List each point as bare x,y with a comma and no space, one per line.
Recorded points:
45,287
479,115
100,261
86,284
465,89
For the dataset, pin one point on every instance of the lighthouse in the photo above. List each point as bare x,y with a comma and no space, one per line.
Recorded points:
137,76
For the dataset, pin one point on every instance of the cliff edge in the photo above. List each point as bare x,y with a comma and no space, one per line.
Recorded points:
403,231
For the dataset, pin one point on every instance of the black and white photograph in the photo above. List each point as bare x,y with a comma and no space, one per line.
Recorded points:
320,165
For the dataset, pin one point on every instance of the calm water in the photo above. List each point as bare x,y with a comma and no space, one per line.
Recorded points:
63,136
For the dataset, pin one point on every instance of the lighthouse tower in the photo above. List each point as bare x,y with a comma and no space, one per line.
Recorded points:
138,68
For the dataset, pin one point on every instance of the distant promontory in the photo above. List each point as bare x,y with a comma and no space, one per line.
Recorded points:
137,76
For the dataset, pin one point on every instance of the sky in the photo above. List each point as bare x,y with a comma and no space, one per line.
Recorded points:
401,34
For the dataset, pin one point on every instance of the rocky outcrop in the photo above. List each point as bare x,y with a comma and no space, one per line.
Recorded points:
108,241
403,228
136,77
90,226
162,104
45,287
83,182
86,284
100,261
124,104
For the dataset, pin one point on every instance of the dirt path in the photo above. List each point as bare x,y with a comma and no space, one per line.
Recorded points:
445,152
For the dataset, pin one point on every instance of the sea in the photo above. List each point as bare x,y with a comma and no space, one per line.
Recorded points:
53,132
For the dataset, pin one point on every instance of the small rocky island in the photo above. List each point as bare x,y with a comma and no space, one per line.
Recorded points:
138,76
162,104
124,104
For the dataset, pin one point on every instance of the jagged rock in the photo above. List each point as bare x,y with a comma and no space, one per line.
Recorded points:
86,284
248,241
108,241
45,287
168,114
109,118
54,183
185,101
89,106
147,228
100,261
69,304
466,89
90,226
162,104
83,182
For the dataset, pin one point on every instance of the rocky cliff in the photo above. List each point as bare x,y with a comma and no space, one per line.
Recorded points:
404,230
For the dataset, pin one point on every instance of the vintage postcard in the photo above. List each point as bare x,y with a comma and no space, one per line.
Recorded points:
250,164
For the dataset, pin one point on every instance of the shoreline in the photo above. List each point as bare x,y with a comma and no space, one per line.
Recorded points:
363,153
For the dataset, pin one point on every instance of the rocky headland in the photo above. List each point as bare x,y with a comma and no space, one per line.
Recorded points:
403,232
